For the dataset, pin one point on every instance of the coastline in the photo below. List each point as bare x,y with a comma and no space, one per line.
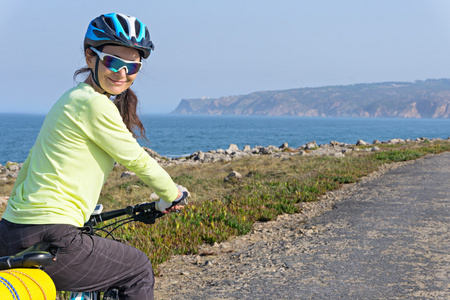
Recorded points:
177,136
334,148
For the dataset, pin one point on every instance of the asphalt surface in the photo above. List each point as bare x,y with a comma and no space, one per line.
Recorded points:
390,241
389,238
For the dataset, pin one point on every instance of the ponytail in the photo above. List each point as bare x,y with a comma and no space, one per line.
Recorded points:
127,104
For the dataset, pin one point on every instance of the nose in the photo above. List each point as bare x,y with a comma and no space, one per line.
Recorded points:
122,72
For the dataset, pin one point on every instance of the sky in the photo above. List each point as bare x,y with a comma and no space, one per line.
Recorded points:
211,48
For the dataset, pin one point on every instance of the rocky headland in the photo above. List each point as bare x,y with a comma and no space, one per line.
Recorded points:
420,99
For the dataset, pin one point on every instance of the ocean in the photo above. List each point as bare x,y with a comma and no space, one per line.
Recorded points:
181,135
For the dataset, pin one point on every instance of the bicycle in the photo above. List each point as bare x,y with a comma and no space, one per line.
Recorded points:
38,256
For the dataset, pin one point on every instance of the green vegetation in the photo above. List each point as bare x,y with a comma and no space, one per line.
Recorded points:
269,187
219,210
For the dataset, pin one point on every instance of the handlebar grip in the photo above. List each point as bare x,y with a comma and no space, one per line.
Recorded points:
147,213
148,207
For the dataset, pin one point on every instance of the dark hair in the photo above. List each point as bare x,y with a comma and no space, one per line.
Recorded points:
127,104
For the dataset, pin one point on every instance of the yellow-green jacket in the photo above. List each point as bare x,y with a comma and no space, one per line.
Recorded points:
81,138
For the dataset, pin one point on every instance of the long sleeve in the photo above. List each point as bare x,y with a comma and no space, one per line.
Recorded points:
102,123
22,174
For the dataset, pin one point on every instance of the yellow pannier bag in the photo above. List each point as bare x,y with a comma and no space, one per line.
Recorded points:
26,284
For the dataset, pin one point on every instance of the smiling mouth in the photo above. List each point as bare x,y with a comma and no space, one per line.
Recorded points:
117,82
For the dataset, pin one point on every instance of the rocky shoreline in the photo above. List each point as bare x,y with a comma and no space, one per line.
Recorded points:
334,148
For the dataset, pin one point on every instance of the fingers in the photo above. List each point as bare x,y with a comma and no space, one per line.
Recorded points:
173,208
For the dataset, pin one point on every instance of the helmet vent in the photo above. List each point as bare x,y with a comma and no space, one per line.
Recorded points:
124,24
137,26
110,23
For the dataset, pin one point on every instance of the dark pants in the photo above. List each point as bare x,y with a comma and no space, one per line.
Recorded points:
84,262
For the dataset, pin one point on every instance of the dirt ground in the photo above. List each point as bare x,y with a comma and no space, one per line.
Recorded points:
385,237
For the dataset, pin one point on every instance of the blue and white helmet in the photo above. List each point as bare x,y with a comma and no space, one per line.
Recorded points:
119,29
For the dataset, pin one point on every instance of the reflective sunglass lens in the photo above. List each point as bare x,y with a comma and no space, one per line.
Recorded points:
115,64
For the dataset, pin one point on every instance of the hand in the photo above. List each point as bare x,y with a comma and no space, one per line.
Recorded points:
173,209
181,189
175,205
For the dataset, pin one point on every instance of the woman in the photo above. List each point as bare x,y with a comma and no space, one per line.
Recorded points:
82,136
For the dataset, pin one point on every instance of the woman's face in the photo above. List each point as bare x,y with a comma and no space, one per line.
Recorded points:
112,82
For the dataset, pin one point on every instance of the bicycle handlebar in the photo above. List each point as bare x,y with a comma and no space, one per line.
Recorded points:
136,212
144,212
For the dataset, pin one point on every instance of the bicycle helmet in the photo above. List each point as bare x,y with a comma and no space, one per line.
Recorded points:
119,29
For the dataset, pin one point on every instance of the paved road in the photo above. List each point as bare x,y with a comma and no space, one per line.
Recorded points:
389,238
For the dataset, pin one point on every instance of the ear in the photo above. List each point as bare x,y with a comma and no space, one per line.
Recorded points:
90,57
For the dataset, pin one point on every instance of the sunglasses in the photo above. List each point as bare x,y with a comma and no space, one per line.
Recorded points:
116,64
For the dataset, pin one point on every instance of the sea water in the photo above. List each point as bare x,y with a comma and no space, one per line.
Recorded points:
180,135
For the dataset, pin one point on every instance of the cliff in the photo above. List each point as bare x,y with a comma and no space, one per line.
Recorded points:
419,99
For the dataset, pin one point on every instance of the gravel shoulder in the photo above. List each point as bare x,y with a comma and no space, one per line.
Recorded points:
385,237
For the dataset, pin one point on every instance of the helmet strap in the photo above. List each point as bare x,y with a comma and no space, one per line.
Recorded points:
94,74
